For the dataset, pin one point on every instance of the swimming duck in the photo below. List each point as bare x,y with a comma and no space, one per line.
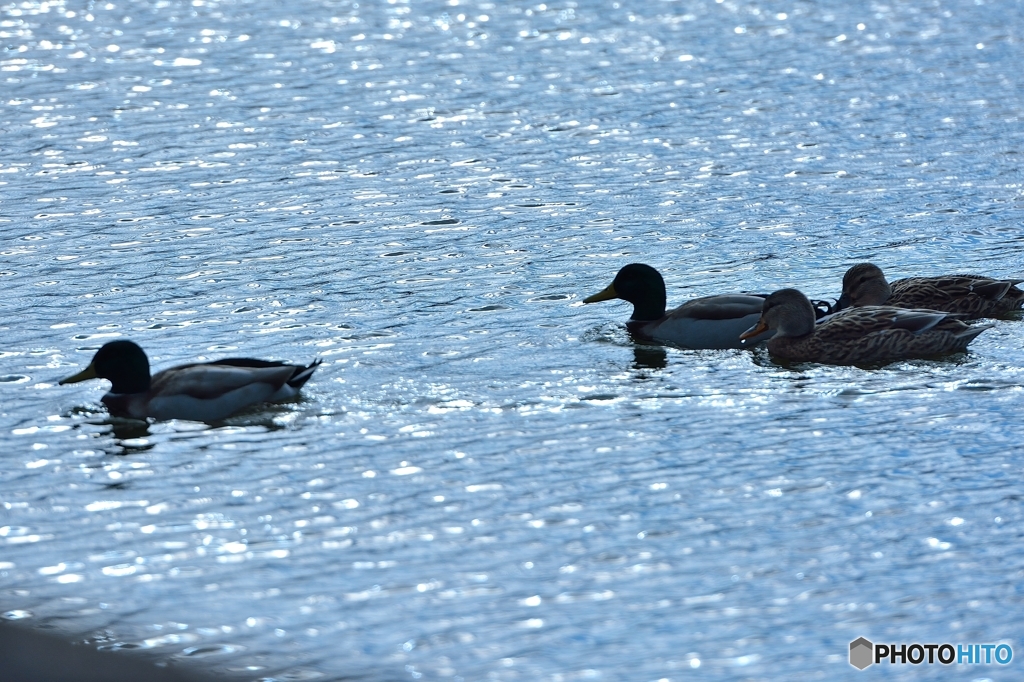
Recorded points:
866,335
970,295
206,391
708,322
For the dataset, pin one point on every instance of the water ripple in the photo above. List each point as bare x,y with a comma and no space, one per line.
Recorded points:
486,479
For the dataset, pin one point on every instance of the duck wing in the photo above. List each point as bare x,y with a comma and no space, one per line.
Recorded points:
208,381
720,307
879,334
927,292
972,295
300,373
854,323
212,391
985,286
710,322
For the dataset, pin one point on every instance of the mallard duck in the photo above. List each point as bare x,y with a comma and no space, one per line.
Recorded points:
206,391
708,322
867,335
970,295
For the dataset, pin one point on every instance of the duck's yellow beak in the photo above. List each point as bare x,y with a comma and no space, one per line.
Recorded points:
606,294
758,328
87,373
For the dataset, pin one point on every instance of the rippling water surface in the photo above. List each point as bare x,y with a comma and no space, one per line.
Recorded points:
486,480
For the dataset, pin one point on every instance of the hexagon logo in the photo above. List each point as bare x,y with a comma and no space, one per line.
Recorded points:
862,653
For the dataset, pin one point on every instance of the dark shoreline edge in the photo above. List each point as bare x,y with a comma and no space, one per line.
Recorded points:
30,655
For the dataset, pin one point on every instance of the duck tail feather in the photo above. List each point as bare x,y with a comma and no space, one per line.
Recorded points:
302,374
969,334
918,321
822,308
993,291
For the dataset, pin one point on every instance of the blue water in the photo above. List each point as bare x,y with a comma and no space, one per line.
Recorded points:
486,480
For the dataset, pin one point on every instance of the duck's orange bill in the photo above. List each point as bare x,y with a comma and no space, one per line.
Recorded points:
606,294
758,328
87,373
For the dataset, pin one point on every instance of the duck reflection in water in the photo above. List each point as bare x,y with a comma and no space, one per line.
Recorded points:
133,436
649,357
127,429
129,436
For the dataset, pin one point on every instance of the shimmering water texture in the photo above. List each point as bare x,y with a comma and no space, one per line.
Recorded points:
485,479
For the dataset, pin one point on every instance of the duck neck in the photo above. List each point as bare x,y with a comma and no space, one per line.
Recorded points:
798,331
130,375
130,385
797,326
645,311
873,292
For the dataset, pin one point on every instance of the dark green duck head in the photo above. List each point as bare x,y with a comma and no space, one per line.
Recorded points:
642,286
122,363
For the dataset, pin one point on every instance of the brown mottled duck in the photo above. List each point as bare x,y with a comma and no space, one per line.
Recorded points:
972,296
870,335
